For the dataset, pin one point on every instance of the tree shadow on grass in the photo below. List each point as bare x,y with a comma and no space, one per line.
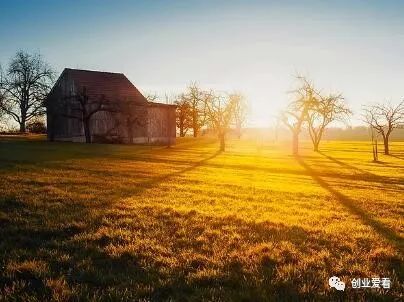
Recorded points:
397,156
345,165
352,206
51,154
68,240
90,269
13,153
153,181
363,174
218,258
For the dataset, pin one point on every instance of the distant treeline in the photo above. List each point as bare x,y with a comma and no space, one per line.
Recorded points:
359,133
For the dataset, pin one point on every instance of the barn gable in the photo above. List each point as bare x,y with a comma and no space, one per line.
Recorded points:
113,86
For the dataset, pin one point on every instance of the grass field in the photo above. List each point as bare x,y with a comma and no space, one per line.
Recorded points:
111,222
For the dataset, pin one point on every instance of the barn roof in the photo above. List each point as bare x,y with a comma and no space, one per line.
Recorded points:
113,86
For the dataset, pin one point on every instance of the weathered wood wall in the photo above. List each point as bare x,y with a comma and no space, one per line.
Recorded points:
149,123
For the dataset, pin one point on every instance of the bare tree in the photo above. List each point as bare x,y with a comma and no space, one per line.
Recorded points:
220,109
324,111
82,107
25,85
240,109
183,115
151,96
197,100
384,118
296,112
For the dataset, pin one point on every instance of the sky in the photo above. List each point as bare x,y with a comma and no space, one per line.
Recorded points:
253,47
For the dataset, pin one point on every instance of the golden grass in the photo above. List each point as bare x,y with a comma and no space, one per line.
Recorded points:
109,222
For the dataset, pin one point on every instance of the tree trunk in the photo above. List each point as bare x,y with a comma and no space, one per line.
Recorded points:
386,145
375,151
23,122
87,131
195,123
314,138
316,143
222,142
182,130
295,147
22,126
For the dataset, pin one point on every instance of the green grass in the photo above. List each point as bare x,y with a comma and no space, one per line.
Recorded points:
113,222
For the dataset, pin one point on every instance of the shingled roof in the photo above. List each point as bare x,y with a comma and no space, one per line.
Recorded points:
113,86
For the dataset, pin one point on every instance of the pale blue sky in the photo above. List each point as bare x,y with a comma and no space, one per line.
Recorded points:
355,47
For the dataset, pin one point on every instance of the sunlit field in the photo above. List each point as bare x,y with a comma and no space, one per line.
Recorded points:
115,222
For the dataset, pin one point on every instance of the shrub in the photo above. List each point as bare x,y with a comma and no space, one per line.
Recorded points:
36,127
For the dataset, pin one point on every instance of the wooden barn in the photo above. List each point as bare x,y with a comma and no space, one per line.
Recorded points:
94,106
